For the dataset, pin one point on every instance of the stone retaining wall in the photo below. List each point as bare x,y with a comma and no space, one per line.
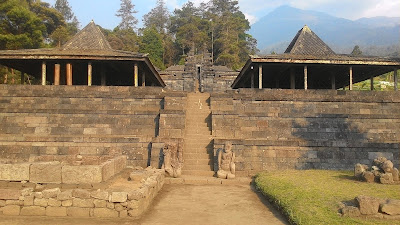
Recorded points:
81,202
86,121
57,172
324,129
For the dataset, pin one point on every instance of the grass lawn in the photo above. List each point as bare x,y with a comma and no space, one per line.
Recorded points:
312,196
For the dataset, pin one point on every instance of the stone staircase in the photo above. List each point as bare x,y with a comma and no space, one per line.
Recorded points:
198,146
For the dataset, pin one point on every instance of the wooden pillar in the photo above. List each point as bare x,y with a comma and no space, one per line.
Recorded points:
44,67
89,72
292,79
252,79
333,81
260,77
396,88
22,78
136,75
351,78
103,76
372,83
57,69
305,77
69,74
143,79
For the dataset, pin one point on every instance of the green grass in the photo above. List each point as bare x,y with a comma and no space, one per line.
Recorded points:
313,196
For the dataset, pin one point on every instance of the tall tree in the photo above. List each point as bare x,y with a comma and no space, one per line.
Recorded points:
151,43
158,17
19,27
128,21
65,9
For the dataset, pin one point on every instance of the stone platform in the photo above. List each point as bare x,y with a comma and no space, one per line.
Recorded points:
202,180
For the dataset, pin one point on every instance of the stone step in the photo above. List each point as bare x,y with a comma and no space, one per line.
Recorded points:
198,173
200,156
204,167
194,162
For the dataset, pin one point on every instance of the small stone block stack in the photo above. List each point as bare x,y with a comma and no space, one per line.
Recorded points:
382,171
372,207
82,202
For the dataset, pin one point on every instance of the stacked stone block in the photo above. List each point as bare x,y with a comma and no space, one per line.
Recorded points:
87,121
287,129
56,202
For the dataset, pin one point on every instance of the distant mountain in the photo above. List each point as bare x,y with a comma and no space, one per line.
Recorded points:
275,31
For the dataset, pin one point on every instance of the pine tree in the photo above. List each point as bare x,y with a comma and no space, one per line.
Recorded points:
128,21
158,17
63,7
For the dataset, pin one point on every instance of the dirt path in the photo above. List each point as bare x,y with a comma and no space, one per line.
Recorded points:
186,204
219,204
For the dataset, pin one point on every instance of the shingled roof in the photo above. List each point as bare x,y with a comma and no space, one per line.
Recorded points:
306,42
89,37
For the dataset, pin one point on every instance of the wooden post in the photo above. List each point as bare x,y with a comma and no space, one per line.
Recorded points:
69,74
136,74
305,78
103,76
22,78
351,78
57,69
252,79
333,81
292,79
396,88
260,77
372,83
44,73
90,70
143,79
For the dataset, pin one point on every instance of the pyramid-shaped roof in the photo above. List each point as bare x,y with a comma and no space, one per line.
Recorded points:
89,37
306,42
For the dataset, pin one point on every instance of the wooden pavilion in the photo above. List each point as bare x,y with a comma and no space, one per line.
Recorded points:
87,59
308,63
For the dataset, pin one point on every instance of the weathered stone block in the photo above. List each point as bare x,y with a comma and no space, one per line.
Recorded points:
105,213
78,212
368,176
51,193
120,164
54,202
14,202
351,211
119,197
123,214
40,202
48,172
11,210
82,203
81,174
66,203
391,207
81,193
65,195
56,211
9,194
28,200
386,178
359,169
395,174
14,172
368,205
108,169
100,203
102,195
33,211
118,207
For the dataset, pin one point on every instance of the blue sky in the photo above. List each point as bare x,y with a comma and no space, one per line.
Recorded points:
103,11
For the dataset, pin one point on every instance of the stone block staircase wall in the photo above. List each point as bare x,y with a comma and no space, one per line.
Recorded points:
198,143
46,121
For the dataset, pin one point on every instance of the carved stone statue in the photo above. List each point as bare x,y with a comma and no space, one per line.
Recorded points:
226,162
173,159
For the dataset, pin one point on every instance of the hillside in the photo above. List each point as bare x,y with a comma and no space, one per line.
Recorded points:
275,31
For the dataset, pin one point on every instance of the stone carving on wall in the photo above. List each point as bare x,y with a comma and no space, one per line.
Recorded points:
173,159
226,162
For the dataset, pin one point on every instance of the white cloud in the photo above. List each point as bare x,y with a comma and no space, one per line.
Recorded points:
252,19
383,8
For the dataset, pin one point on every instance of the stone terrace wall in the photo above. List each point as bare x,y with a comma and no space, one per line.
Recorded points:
89,121
285,129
